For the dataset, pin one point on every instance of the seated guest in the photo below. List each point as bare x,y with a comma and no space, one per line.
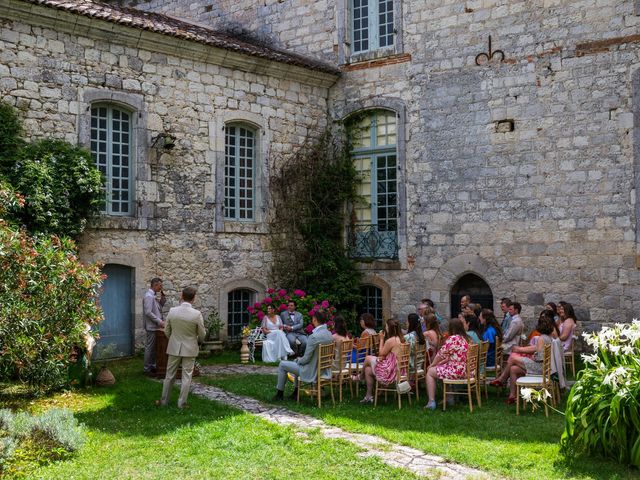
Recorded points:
429,303
505,303
294,328
491,331
516,327
566,324
368,325
471,326
414,335
340,334
306,367
451,360
433,335
276,346
519,364
554,310
383,367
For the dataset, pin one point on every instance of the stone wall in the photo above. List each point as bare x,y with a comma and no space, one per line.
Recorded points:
51,75
522,171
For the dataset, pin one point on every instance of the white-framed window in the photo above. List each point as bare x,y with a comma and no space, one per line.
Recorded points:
111,145
374,152
239,172
372,25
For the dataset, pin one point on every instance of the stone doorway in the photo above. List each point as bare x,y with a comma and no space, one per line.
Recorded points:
474,286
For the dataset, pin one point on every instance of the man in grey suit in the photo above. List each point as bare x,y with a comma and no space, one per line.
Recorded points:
152,321
185,329
292,321
306,368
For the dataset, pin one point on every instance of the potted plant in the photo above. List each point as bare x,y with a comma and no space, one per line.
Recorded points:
212,324
103,355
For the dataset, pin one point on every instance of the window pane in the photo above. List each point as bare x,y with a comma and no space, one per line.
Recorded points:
371,303
239,172
238,316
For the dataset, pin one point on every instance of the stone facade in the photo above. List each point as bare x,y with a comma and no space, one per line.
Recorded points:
522,171
52,74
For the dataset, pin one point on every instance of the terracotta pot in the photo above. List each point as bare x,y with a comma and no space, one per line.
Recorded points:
105,377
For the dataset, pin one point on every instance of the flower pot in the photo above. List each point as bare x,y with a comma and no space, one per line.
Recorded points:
244,351
105,377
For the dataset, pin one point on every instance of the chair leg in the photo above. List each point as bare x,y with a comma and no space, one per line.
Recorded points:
319,393
517,399
444,396
298,392
399,395
470,397
478,395
417,384
333,400
375,398
340,388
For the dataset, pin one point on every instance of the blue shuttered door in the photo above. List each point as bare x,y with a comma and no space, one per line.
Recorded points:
116,330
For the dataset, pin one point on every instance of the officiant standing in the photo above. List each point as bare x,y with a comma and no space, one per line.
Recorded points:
152,318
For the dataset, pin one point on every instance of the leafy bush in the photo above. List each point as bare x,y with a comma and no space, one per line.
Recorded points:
7,450
47,301
6,420
603,408
59,182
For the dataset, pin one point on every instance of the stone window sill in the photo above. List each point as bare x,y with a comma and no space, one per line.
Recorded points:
112,222
230,226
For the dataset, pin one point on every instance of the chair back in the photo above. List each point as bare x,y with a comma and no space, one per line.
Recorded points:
325,358
472,361
482,359
343,354
546,364
362,350
420,357
375,344
403,363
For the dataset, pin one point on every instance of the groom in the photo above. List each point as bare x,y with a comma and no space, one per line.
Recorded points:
293,324
306,368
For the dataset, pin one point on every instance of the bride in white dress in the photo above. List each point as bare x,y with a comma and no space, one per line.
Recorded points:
276,346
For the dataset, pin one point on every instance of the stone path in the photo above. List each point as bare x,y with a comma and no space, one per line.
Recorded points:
392,454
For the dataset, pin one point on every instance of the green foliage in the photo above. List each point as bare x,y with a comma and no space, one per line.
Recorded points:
47,301
39,439
603,409
10,141
310,192
59,182
213,323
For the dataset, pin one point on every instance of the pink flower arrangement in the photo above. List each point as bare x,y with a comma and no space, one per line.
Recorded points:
305,304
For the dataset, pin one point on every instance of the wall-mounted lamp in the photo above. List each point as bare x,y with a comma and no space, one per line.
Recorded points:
164,140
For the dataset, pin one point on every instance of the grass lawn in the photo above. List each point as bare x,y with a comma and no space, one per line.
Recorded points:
492,438
130,438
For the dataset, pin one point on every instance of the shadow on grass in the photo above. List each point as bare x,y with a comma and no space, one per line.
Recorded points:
515,442
128,407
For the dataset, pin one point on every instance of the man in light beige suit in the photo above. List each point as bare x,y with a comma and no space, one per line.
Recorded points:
184,329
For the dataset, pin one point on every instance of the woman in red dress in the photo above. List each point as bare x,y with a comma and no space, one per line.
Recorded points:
450,361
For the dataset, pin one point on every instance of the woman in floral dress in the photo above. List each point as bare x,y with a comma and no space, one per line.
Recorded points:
450,361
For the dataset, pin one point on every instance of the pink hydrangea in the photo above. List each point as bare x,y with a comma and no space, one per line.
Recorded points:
268,300
282,292
299,293
257,305
270,291
260,314
309,329
251,310
282,307
325,304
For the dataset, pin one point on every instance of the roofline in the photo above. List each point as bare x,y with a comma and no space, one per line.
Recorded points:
288,66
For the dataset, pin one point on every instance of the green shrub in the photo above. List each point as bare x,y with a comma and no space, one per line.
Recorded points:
59,182
57,426
6,420
7,450
603,408
47,301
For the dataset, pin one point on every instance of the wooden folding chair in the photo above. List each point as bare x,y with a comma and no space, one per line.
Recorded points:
570,357
356,366
481,374
325,362
491,373
341,371
537,382
375,344
402,375
420,366
470,380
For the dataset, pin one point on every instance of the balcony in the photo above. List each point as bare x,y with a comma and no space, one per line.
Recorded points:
368,242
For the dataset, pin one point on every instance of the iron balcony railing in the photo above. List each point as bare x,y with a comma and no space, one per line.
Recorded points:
368,241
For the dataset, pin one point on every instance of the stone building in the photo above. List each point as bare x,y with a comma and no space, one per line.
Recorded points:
500,150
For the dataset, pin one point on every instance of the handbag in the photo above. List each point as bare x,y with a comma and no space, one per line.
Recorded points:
403,387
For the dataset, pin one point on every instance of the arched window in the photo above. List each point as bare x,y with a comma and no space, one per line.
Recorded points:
239,172
372,303
237,315
111,136
373,138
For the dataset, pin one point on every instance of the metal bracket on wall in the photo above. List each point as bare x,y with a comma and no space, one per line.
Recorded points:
486,57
